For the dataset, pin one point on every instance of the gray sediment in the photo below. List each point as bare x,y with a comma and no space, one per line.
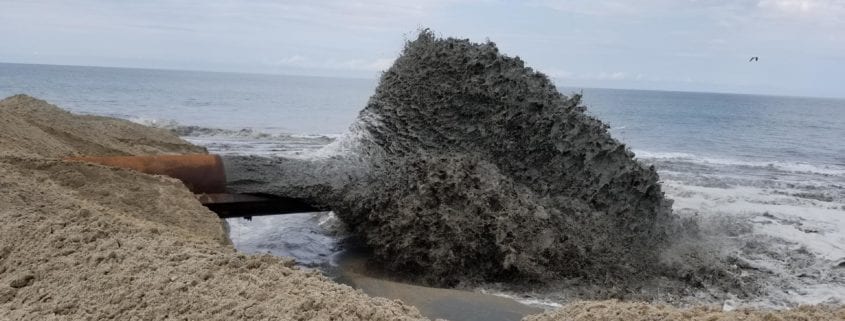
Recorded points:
465,165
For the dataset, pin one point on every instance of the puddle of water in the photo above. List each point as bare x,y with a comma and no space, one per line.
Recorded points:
317,240
433,303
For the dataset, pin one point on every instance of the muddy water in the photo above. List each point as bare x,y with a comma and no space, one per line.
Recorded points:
317,240
434,303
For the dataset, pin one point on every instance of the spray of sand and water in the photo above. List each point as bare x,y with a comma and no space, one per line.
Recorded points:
468,169
468,166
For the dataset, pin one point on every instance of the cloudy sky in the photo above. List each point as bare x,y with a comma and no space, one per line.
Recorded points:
698,45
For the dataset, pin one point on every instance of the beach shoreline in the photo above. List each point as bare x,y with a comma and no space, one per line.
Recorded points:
85,241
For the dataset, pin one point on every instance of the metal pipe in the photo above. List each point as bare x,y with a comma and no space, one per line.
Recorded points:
247,205
205,176
201,173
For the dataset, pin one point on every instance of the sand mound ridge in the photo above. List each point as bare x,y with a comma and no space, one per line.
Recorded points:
32,127
81,241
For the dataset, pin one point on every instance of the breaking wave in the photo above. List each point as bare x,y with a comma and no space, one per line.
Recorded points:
775,165
244,141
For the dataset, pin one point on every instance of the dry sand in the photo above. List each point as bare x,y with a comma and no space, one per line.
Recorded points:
30,127
87,242
80,241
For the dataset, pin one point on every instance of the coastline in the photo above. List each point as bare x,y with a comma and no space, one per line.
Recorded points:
86,241
81,240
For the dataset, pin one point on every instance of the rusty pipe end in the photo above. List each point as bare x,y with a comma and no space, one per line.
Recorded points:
201,173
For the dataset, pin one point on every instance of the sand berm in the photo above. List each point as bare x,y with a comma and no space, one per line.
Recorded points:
86,242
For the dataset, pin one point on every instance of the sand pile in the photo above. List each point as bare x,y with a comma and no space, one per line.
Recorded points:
467,165
31,127
627,311
80,241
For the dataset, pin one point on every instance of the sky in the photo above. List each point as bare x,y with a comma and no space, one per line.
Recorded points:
689,45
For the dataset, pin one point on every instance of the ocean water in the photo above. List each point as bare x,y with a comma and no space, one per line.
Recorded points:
265,103
776,163
788,131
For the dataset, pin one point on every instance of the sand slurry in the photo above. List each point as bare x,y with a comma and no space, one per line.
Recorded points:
81,241
466,165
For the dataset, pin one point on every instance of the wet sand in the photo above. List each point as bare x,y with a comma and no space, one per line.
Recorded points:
432,302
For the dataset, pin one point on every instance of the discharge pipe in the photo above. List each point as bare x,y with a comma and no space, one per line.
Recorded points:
205,176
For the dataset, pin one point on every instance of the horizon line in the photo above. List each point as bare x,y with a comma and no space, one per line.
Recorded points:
554,79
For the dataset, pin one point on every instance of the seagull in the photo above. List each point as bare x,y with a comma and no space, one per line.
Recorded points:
754,59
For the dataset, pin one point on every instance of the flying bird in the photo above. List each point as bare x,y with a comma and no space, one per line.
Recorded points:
754,59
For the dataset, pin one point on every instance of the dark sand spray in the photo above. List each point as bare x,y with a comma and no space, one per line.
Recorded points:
467,165
467,168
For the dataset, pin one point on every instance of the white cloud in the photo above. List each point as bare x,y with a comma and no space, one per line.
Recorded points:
371,14
791,6
724,11
617,42
594,8
819,11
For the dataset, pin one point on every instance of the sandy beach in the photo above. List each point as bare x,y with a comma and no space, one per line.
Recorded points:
81,241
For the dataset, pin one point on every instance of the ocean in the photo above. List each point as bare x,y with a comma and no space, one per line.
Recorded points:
799,132
776,162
